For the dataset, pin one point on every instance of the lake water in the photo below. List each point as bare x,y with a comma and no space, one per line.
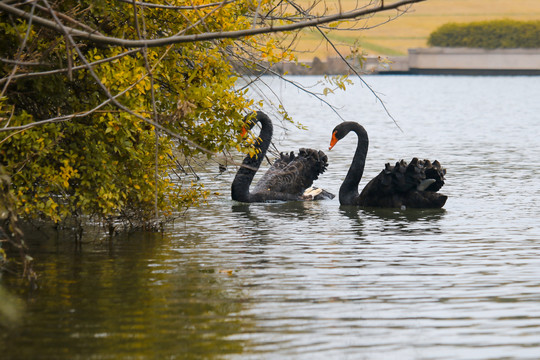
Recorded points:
314,280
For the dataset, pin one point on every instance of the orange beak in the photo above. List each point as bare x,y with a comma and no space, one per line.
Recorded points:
333,141
244,132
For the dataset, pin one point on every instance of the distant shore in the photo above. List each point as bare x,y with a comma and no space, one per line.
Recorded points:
443,61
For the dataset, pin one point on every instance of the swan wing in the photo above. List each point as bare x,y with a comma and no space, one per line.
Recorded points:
421,175
413,184
292,173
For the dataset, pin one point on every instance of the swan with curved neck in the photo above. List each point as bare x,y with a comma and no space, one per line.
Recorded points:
412,185
287,179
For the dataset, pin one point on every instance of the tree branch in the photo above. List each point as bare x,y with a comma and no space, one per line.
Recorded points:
172,7
353,14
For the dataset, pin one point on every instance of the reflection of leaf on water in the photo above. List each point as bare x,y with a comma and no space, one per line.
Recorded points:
140,297
226,271
11,309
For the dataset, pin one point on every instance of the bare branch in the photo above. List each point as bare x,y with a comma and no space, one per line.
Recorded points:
71,20
361,79
23,63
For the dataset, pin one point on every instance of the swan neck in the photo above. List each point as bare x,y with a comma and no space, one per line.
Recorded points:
250,165
348,192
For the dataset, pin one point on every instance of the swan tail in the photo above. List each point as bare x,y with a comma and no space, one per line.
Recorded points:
292,173
413,185
421,175
435,171
317,162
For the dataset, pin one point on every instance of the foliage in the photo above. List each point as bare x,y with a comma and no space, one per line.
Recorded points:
488,34
101,98
106,162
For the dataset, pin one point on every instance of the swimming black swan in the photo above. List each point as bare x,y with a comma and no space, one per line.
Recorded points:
287,179
413,185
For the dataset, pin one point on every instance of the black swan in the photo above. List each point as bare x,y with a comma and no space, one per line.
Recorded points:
287,179
413,185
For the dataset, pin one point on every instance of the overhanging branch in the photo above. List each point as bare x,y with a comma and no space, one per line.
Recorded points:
127,43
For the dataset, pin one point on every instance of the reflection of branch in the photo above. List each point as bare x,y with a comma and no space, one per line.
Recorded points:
207,35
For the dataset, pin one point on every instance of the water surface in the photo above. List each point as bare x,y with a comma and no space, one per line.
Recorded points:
316,280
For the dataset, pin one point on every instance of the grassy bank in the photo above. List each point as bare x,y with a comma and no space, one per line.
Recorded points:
411,29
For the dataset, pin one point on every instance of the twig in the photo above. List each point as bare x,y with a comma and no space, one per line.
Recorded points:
23,63
361,79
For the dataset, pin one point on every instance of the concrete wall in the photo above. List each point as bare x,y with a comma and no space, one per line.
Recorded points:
466,59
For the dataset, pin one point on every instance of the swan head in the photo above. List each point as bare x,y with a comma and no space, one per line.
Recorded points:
343,129
251,119
249,122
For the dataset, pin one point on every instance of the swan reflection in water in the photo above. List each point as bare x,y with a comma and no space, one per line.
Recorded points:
302,220
264,224
389,214
289,210
394,221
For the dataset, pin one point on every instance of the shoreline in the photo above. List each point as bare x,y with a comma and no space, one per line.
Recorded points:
428,61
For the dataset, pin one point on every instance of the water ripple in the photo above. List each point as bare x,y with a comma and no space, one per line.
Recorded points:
324,281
